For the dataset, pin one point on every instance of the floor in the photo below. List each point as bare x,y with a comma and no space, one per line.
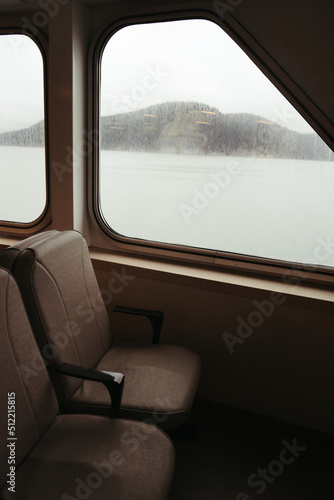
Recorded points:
229,461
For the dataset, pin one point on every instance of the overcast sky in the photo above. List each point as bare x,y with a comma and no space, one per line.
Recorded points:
196,61
148,64
21,83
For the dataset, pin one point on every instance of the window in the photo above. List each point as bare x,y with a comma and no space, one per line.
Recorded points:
199,149
22,143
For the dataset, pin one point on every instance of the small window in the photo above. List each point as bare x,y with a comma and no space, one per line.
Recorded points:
199,149
22,143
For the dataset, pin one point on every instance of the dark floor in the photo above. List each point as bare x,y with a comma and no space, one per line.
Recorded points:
229,461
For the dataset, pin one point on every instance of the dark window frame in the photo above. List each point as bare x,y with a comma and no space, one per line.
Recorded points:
246,263
44,218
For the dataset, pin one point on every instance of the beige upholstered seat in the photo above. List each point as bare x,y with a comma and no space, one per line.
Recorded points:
66,456
70,322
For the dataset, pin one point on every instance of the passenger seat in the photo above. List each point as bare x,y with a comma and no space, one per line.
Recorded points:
71,325
44,455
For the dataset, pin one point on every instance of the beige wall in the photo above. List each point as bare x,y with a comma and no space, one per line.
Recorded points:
283,368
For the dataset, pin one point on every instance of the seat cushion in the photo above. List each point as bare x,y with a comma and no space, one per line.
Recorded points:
95,457
160,383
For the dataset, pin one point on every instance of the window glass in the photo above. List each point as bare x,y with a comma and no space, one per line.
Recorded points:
22,144
198,148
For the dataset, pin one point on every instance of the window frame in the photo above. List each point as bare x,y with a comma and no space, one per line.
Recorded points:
259,266
44,219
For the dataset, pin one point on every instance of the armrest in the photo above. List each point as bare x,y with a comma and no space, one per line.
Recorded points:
155,317
113,381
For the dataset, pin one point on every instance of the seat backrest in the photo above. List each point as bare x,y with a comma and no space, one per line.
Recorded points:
28,401
9,255
61,294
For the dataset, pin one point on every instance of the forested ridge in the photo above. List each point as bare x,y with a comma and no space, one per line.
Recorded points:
193,128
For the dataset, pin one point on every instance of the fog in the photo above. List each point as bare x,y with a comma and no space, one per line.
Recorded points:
21,83
192,60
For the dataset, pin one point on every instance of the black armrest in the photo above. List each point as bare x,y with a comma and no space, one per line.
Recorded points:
113,381
155,317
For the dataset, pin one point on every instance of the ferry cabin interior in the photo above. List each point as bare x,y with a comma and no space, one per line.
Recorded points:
262,422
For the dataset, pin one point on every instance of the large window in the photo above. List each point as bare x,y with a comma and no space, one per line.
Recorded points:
199,149
22,144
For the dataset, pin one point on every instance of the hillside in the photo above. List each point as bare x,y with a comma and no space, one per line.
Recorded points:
32,136
194,128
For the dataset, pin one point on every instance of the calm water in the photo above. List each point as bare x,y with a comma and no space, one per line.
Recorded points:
22,183
269,208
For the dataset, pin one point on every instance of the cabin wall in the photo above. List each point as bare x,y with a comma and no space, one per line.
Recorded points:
282,362
282,366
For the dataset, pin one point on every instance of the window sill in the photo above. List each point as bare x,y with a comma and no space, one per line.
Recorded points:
216,279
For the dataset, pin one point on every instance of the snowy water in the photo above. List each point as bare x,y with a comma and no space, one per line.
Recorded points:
273,208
